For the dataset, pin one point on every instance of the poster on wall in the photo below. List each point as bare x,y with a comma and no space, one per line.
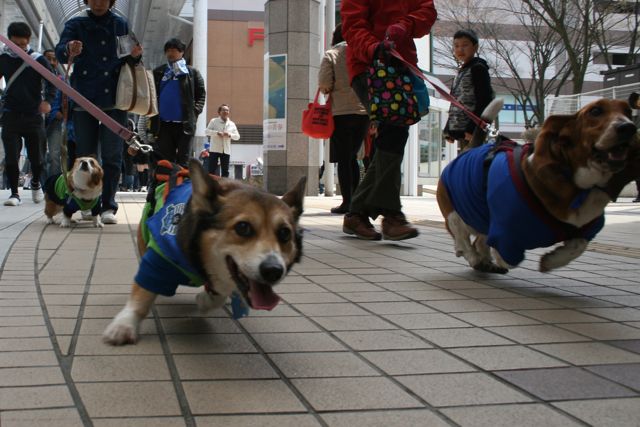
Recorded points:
275,103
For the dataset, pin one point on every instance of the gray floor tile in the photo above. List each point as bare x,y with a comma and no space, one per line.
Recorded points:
408,417
537,334
462,337
129,399
605,331
310,365
495,318
330,394
297,342
257,396
93,345
506,357
65,417
630,345
223,366
277,324
521,415
425,321
139,422
381,340
605,413
408,362
119,368
627,374
588,353
462,389
340,309
353,323
210,343
564,384
34,397
258,421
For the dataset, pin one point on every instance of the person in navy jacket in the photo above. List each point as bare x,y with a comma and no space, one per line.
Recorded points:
93,37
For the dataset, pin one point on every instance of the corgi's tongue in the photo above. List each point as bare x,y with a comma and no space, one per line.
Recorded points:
262,296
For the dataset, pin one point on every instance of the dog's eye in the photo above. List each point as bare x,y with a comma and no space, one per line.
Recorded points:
284,234
596,111
244,229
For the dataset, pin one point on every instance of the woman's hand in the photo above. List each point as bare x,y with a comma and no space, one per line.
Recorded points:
44,107
136,51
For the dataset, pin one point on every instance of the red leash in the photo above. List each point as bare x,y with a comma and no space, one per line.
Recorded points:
131,138
445,94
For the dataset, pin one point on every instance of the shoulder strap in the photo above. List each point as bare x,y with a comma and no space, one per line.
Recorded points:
15,75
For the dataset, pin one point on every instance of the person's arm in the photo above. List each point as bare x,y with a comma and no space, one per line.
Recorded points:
482,91
357,30
69,33
326,75
418,23
200,93
233,132
210,130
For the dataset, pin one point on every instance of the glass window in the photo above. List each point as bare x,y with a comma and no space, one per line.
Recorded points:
430,145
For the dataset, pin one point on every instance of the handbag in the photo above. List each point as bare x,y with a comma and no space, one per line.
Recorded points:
391,96
317,120
136,91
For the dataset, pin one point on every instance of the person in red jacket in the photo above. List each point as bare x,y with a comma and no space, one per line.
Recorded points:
365,24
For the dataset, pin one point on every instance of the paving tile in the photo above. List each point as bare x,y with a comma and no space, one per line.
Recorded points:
97,326
381,340
564,384
63,326
312,298
362,297
19,311
506,357
403,307
210,343
462,389
460,306
257,396
408,362
309,365
407,286
257,421
339,309
65,417
277,324
520,303
119,368
199,325
425,321
129,399
28,358
495,318
139,422
25,344
630,345
560,316
605,413
297,342
22,321
352,287
35,397
382,418
521,415
605,331
628,374
188,310
434,295
223,366
330,394
353,323
63,311
93,345
461,337
12,377
592,353
537,334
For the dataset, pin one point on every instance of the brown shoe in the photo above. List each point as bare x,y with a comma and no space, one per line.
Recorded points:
396,227
360,226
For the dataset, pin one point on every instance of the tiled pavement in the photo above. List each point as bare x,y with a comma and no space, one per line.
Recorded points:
369,334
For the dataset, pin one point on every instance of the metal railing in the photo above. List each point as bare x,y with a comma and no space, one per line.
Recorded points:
569,104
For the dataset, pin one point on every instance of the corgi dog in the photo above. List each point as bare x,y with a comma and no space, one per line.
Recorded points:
513,197
79,189
232,239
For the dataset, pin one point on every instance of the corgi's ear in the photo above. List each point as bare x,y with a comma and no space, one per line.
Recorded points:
295,197
205,189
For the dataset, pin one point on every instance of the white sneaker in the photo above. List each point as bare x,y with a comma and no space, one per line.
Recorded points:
36,194
14,200
86,215
108,217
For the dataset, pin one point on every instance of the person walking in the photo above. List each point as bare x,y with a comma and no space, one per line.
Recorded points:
53,125
22,111
95,39
471,86
181,99
222,131
349,116
365,25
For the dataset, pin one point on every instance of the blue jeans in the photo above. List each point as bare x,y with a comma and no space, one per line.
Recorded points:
54,144
92,136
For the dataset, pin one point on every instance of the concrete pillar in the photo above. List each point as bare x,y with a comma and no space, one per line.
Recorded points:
200,26
329,25
292,27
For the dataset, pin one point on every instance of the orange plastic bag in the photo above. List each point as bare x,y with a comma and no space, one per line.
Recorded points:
317,120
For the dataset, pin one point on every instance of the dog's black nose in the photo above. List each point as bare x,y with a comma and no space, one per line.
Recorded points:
626,130
84,166
271,269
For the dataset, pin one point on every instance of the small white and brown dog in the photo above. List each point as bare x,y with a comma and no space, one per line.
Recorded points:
79,189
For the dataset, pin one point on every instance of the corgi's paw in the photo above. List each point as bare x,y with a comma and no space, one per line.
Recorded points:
123,329
50,220
207,301
97,222
65,222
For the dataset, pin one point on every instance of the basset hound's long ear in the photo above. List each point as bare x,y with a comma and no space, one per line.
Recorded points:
557,132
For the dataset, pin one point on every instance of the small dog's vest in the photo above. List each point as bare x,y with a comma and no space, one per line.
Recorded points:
56,189
502,207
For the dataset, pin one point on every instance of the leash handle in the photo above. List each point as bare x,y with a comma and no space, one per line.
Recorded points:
487,127
115,127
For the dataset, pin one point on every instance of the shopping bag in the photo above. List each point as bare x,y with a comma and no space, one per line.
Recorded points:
136,91
317,120
391,96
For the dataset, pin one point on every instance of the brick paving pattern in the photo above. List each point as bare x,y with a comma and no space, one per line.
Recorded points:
368,334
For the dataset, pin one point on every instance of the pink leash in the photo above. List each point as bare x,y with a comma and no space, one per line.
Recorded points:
131,138
446,95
